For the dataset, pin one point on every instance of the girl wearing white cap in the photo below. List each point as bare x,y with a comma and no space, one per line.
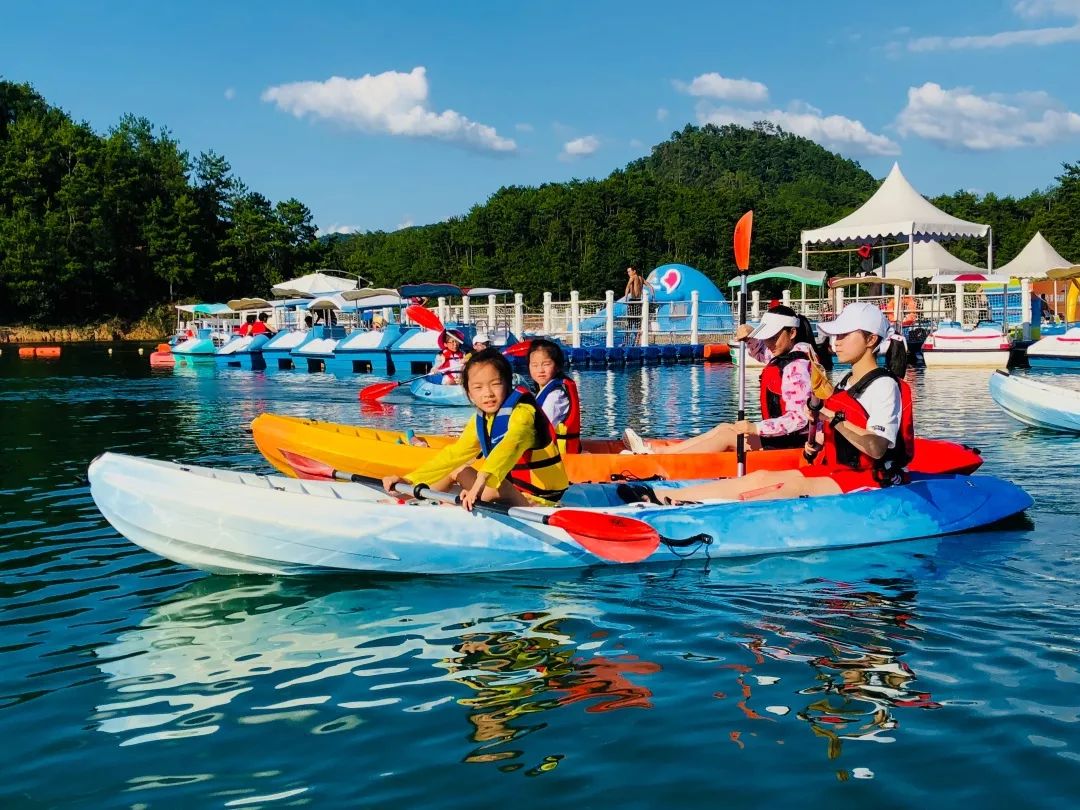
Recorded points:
868,425
784,342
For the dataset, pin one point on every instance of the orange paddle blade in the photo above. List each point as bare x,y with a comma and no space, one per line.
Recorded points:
742,241
377,391
424,316
306,467
612,537
518,349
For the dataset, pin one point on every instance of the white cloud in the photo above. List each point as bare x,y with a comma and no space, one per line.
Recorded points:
335,228
662,114
579,147
636,144
961,119
523,127
390,103
405,223
230,93
845,135
713,85
1027,9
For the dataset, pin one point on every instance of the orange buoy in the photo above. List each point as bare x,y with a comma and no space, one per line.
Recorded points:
164,347
26,351
47,351
717,353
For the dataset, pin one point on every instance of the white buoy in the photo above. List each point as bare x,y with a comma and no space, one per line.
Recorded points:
110,350
140,350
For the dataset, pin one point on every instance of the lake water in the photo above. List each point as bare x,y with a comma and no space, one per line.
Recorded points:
928,673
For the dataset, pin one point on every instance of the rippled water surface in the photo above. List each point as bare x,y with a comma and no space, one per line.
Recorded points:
917,674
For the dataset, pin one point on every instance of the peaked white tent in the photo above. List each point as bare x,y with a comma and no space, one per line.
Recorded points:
315,284
1034,260
926,260
897,210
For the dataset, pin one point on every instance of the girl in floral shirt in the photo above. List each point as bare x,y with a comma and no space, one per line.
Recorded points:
784,342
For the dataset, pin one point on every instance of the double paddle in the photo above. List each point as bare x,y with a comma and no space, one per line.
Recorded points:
427,320
742,262
610,537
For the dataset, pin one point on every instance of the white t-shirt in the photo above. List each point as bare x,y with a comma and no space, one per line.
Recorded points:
881,399
556,407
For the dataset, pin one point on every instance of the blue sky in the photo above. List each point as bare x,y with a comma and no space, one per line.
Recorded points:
381,115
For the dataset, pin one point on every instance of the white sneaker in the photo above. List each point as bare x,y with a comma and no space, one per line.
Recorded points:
634,442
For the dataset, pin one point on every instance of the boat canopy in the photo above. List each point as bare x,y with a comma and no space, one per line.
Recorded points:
239,304
342,303
437,290
317,283
205,309
1064,273
902,283
373,292
970,278
812,278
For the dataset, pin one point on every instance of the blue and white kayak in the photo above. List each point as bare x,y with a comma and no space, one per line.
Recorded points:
235,522
431,389
1036,403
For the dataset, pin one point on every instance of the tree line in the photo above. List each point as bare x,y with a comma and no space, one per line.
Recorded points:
98,226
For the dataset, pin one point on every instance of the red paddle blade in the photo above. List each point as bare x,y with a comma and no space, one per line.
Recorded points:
611,537
518,349
376,391
306,467
424,316
742,241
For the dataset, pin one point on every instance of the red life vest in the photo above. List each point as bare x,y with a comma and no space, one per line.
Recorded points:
447,358
839,452
535,472
772,378
569,432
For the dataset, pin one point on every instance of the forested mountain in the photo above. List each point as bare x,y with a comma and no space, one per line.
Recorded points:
96,226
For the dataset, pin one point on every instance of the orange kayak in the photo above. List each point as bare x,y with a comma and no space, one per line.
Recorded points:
370,451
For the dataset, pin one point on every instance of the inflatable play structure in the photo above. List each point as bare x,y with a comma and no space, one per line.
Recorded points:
670,288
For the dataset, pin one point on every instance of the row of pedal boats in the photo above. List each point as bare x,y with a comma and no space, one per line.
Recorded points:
226,521
391,349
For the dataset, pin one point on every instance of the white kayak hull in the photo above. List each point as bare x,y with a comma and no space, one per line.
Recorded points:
1036,403
231,522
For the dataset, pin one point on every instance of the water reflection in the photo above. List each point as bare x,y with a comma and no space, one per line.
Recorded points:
853,639
270,651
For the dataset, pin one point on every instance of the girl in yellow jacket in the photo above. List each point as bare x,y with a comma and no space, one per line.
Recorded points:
506,452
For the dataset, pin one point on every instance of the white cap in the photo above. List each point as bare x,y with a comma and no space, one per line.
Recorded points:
859,316
772,323
481,337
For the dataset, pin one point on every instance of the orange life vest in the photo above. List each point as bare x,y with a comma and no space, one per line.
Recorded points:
568,432
839,452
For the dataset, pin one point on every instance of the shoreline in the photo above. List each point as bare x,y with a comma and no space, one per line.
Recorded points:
99,333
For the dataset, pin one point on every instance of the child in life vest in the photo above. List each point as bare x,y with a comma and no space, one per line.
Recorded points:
450,358
557,394
783,341
507,451
867,426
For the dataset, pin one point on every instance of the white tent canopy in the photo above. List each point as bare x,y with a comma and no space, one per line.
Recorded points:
930,259
1034,260
315,284
896,209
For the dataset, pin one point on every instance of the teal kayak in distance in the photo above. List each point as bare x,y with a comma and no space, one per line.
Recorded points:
237,522
432,390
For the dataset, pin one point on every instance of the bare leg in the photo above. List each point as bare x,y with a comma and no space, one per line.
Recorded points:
720,439
760,485
507,493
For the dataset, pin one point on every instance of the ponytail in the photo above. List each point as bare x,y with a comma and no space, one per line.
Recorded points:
896,356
